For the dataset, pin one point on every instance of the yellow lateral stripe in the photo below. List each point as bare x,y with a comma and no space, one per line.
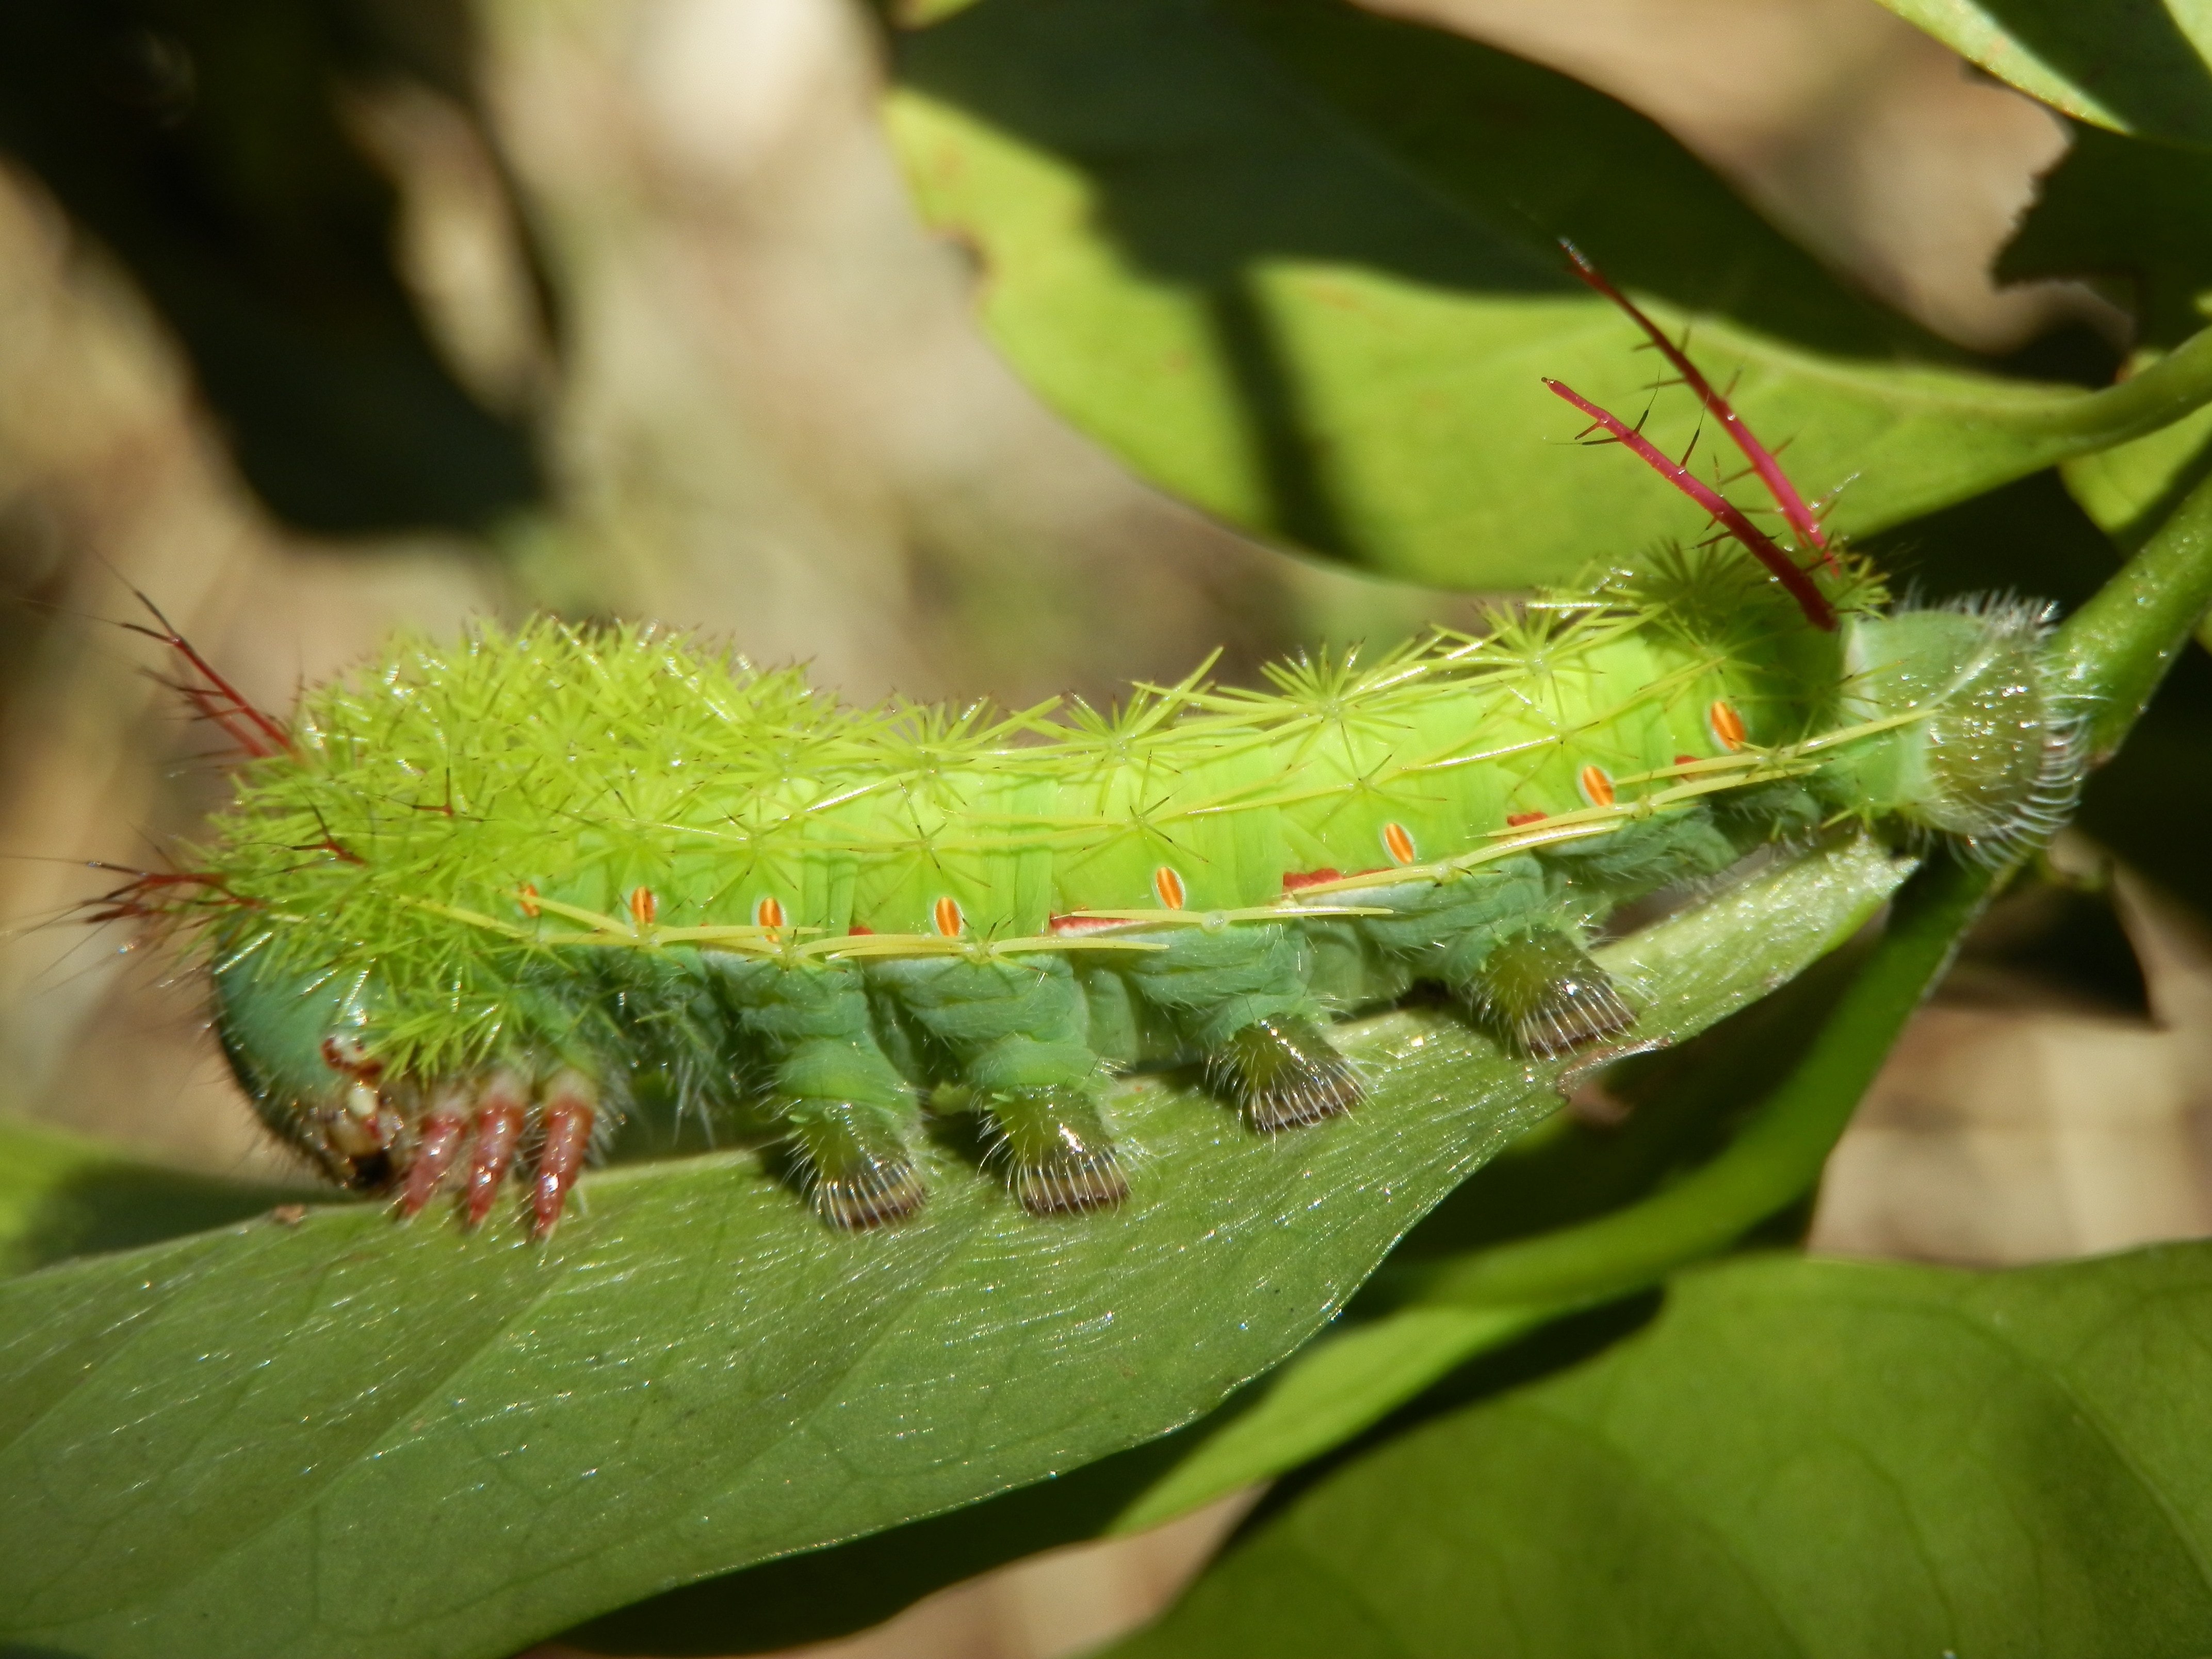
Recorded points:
472,918
590,918
733,932
1213,918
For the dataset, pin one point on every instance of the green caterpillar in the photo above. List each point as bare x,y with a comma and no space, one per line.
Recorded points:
475,900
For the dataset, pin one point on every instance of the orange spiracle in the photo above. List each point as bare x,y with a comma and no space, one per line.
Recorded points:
643,907
947,915
768,912
1596,784
527,896
1169,886
1726,724
1399,843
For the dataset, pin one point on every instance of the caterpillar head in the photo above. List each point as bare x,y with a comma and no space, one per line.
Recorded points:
304,1048
1983,747
297,1047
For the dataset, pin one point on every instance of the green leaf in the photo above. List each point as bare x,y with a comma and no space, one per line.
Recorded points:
62,1195
2129,490
694,1375
2135,66
1678,1105
1296,263
1682,1102
1793,1457
1332,1392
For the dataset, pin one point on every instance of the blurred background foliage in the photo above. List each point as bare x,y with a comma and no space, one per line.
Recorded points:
213,148
322,318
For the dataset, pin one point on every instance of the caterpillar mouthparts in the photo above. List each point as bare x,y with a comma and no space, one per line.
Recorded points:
480,911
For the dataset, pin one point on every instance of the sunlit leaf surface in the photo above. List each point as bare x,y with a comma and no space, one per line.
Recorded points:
2136,67
1296,263
1810,1458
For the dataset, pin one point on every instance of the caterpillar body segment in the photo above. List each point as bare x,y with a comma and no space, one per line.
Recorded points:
488,901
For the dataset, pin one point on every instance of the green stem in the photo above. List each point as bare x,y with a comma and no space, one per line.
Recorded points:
2113,653
2155,397
2115,650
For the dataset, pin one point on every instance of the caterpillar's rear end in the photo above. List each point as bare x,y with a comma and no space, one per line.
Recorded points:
1997,765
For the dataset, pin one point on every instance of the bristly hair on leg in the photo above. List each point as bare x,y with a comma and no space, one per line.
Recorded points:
2048,807
870,1190
1053,1151
1541,990
1283,1074
1093,1180
879,1192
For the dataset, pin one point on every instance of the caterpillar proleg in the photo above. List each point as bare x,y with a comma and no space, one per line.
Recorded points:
473,899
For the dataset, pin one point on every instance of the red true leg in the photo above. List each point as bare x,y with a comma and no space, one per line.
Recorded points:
503,1111
1801,586
570,1105
437,1144
1762,459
